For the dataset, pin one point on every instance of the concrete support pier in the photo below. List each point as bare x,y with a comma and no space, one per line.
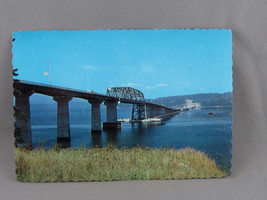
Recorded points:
23,132
95,116
112,122
63,122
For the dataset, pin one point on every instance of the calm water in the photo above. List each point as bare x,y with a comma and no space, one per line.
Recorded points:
194,128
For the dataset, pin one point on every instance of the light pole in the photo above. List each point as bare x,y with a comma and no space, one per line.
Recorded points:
48,72
87,82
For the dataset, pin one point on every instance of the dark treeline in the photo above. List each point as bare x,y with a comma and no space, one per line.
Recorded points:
209,99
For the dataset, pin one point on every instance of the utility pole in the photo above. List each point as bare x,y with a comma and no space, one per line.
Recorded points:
87,82
49,78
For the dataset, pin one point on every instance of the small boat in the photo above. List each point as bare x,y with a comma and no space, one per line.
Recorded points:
210,113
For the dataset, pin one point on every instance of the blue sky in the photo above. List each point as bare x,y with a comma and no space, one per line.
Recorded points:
158,62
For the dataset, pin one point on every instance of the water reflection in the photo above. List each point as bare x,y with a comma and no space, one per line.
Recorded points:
195,128
63,143
96,139
112,136
169,117
140,125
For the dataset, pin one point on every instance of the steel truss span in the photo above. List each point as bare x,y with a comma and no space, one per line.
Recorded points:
139,112
127,93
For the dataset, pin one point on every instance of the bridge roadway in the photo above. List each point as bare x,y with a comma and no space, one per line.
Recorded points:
24,89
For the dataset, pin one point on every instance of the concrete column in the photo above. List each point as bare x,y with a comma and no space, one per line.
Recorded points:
163,111
111,110
154,111
63,121
111,116
23,132
95,116
148,111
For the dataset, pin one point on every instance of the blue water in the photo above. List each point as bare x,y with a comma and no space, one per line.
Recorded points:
211,134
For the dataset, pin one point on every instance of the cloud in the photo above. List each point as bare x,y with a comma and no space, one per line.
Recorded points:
187,85
156,86
134,85
124,85
131,84
162,85
143,87
148,69
89,67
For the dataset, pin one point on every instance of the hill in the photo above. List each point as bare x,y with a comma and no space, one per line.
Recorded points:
209,99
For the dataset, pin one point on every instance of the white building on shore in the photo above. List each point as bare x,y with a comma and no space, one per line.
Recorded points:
190,105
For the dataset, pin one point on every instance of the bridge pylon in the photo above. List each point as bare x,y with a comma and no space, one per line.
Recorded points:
95,115
23,132
63,120
111,121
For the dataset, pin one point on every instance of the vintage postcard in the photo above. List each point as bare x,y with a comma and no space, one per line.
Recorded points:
105,105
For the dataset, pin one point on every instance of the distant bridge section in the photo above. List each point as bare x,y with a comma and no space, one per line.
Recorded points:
141,109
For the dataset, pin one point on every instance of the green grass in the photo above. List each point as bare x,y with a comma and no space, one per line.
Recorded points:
112,163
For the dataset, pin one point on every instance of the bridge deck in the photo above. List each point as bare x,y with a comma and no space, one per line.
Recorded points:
52,90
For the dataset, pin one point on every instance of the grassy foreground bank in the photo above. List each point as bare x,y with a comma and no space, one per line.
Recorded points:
112,163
